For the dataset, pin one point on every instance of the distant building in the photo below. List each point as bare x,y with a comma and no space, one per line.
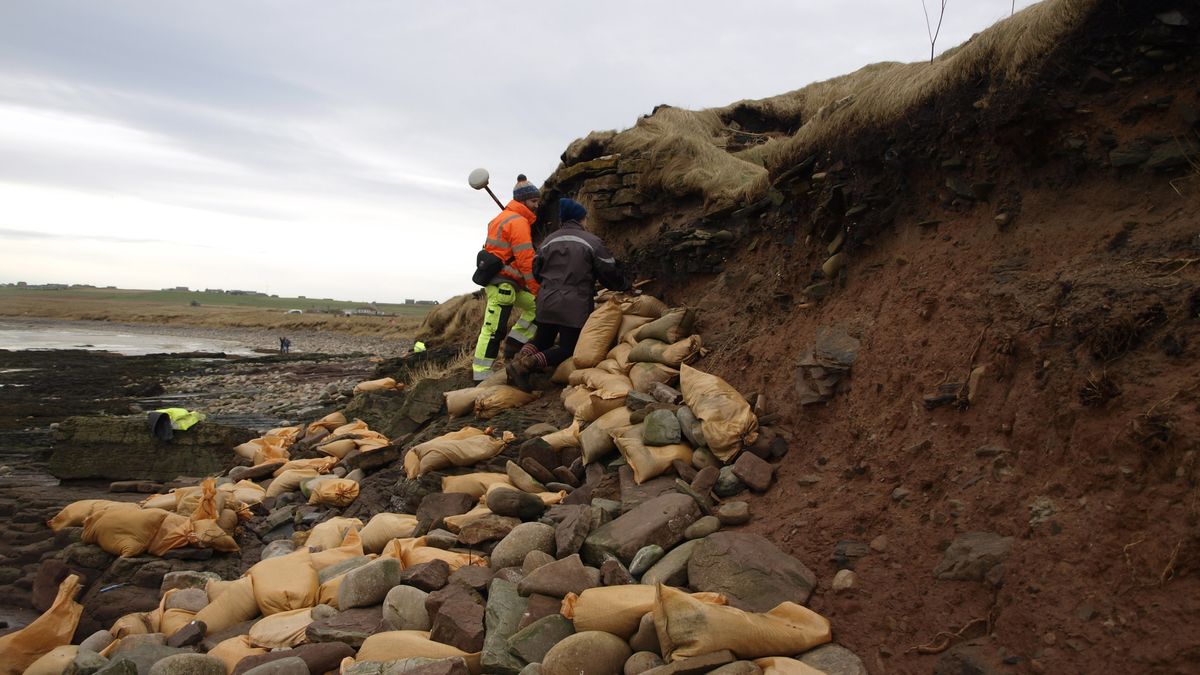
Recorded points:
410,301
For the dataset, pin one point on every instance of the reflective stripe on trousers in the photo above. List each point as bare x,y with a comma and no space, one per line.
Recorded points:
501,300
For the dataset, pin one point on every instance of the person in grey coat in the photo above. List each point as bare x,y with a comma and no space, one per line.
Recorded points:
568,264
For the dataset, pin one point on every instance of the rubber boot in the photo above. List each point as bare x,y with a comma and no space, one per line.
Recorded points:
518,371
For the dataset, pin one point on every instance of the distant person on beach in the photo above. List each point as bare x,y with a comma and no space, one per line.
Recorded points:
285,345
509,238
569,264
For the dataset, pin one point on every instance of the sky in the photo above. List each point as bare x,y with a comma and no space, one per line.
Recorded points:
322,148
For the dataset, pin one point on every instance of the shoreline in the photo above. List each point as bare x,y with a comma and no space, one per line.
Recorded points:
266,339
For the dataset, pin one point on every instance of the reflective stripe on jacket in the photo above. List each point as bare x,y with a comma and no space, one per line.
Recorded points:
509,239
568,265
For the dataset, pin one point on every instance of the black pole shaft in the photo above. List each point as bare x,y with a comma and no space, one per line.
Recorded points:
493,195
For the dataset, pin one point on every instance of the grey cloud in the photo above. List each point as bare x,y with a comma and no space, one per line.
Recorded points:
13,233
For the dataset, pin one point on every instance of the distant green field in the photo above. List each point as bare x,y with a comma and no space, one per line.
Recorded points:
207,299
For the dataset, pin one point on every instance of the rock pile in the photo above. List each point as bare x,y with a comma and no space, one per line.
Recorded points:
598,548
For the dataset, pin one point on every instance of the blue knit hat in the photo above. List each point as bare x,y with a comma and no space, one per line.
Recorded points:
569,209
525,190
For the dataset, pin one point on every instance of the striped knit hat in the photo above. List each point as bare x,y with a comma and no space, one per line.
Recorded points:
525,190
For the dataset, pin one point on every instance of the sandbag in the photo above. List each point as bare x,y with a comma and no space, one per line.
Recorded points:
610,366
331,533
587,405
329,422
630,323
165,502
598,334
283,630
289,481
578,377
644,305
498,399
496,379
461,402
123,532
548,498
657,351
671,327
474,484
648,461
687,627
321,465
137,623
465,447
352,547
232,651
230,603
339,492
620,354
75,513
54,662
725,417
356,427
456,523
284,583
643,375
174,619
608,385
264,449
564,438
328,592
245,491
382,384
393,645
413,551
209,534
617,609
189,499
339,448
596,440
54,628
562,374
782,665
209,506
175,531
385,527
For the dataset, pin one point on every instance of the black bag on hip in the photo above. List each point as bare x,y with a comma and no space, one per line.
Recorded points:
487,266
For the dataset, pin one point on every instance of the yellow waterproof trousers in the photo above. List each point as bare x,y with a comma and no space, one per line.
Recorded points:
501,299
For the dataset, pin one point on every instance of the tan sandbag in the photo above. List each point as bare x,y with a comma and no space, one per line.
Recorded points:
461,402
339,492
564,438
465,447
596,440
230,603
329,422
174,619
351,547
562,373
385,527
495,400
327,594
782,665
372,440
648,461
247,492
137,623
578,377
456,523
356,427
73,514
609,385
331,533
687,627
175,531
188,499
288,435
339,448
588,405
209,534
643,375
413,551
382,384
289,481
321,465
282,630
54,662
617,609
620,354
598,334
264,449
232,651
671,327
54,628
123,532
630,323
207,508
474,484
548,498
644,305
725,417
285,582
165,502
393,645
610,366
656,351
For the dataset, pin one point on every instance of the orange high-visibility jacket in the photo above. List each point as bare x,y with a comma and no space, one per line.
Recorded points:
509,238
